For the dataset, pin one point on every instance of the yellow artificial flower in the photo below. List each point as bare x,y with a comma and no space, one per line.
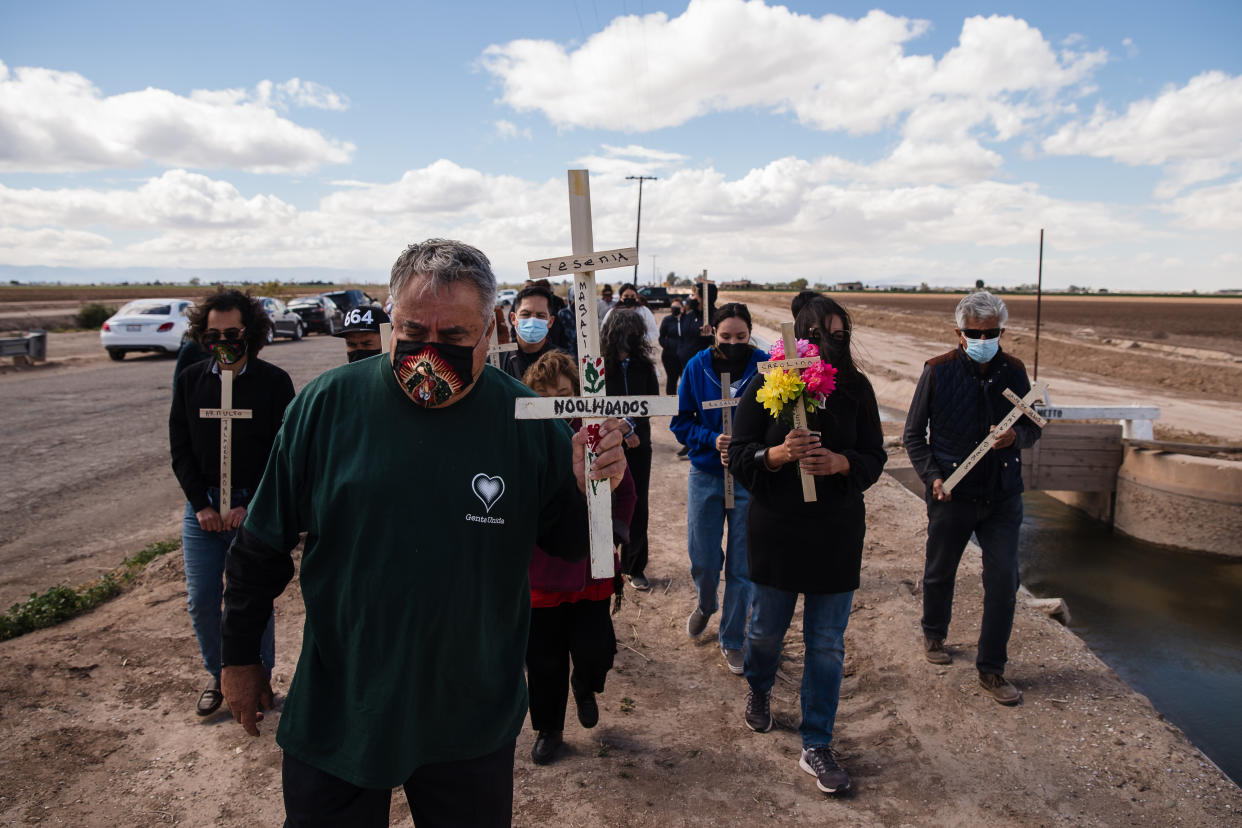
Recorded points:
779,388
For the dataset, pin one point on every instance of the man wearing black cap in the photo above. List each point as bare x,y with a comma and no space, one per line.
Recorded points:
362,333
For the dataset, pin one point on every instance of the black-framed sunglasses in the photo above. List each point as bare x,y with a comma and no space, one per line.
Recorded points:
213,336
981,333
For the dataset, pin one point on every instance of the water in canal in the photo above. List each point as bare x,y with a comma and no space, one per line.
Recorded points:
1169,622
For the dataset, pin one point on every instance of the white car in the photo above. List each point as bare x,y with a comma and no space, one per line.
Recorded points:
157,325
506,297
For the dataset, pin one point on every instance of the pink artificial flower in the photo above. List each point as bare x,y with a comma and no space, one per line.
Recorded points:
820,379
804,347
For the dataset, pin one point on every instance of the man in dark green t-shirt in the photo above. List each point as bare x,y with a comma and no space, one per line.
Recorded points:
421,497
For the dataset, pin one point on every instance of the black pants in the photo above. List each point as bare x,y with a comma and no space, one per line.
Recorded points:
469,792
672,370
634,553
949,526
581,630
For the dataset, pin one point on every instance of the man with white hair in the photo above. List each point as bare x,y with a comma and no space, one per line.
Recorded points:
959,398
421,497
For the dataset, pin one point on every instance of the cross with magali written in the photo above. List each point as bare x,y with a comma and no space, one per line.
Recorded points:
794,364
1021,405
594,405
726,404
226,413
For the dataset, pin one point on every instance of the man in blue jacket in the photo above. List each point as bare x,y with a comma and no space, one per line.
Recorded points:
959,399
701,432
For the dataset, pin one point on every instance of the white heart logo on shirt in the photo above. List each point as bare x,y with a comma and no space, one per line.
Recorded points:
488,489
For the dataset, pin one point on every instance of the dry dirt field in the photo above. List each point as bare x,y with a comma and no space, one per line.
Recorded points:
96,726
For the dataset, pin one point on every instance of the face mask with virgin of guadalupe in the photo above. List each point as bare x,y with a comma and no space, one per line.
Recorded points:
228,351
432,372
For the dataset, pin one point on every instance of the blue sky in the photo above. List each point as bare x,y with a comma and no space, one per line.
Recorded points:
911,143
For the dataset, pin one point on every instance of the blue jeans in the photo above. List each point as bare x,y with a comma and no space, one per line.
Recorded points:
705,519
204,554
824,616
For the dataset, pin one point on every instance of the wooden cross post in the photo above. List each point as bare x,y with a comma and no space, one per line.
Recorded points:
726,404
794,365
704,302
1021,406
226,413
594,405
496,349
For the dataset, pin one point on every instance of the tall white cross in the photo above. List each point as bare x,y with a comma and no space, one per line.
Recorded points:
226,414
726,404
794,365
496,348
1021,406
594,405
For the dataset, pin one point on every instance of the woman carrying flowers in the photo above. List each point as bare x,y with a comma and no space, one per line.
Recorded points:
809,548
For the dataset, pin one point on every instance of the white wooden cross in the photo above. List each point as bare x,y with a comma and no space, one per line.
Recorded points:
704,302
496,349
226,413
1021,406
794,364
594,405
726,404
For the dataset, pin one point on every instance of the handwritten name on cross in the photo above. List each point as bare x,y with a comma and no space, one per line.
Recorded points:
594,405
226,413
794,365
726,404
1021,407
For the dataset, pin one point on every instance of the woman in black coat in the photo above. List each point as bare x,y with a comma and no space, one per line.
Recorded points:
629,369
809,548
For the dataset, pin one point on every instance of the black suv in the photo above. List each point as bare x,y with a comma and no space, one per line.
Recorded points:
347,300
659,297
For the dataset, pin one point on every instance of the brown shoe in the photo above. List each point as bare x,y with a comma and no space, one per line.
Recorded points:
934,649
999,689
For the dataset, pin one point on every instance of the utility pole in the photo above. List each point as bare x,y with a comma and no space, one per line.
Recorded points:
640,179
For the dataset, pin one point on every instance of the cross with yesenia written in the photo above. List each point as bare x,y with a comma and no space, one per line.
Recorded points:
594,405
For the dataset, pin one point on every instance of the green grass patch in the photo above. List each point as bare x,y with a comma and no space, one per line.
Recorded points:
60,603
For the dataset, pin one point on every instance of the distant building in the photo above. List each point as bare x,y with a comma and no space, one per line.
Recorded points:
740,284
849,286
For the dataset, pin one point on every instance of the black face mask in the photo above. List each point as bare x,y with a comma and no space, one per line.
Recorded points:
629,303
634,345
676,311
354,356
432,372
735,353
833,351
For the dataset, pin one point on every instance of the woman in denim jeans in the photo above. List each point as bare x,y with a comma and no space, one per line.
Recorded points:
700,431
809,548
232,327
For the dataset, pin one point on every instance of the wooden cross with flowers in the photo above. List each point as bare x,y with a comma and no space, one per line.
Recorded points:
794,385
594,405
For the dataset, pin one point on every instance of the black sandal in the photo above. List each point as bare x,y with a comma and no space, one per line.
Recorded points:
210,700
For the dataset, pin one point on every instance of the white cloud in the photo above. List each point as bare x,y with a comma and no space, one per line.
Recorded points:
1195,129
52,121
1210,208
508,131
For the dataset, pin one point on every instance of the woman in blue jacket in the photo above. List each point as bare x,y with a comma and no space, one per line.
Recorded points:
700,431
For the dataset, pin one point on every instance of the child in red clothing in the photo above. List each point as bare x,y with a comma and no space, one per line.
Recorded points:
569,616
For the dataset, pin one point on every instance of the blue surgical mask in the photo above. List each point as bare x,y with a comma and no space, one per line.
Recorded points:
532,329
982,350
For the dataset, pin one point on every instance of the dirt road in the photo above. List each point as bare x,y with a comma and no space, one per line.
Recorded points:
87,475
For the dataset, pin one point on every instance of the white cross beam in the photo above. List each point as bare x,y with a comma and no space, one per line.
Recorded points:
226,413
726,404
590,363
496,349
1022,406
794,365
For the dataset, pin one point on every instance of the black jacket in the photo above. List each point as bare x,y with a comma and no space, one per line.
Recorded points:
638,377
794,545
954,405
195,442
